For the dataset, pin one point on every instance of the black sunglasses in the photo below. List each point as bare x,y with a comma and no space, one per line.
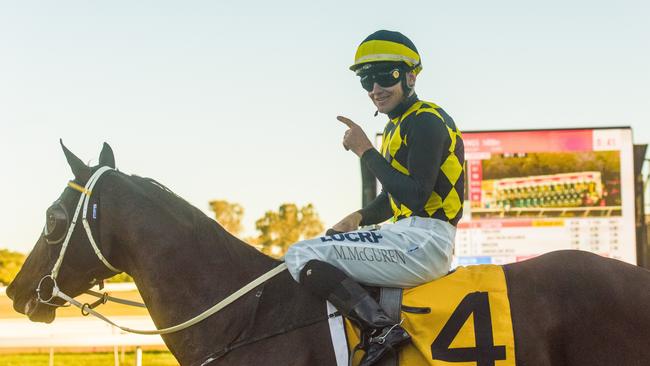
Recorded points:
385,79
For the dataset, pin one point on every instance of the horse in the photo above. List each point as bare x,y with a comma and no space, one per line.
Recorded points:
567,307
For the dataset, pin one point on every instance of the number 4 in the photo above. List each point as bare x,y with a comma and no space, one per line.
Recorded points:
485,353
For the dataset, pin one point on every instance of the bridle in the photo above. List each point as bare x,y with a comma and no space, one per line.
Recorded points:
86,309
84,199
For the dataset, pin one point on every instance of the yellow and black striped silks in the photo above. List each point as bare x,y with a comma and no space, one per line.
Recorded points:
387,46
446,200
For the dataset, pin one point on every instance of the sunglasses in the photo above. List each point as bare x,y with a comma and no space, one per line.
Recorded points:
385,79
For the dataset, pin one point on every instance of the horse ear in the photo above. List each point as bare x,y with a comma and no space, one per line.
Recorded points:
80,170
106,157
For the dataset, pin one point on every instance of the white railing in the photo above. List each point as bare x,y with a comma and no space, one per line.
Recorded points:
78,332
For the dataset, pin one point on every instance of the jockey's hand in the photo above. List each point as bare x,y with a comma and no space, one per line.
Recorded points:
331,232
355,139
349,223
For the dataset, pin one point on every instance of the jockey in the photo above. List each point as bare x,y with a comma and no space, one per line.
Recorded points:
420,167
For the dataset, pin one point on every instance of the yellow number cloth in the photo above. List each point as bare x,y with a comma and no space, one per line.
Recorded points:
444,296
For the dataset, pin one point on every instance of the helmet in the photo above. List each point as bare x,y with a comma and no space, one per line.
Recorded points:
387,46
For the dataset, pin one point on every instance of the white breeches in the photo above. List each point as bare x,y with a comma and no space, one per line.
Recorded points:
410,252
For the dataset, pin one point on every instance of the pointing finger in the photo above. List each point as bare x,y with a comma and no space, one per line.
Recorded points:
348,122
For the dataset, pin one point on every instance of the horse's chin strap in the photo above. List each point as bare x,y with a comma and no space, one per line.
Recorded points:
104,297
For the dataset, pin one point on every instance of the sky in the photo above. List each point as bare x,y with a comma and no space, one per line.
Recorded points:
238,100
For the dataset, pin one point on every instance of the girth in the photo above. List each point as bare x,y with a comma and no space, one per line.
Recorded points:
390,299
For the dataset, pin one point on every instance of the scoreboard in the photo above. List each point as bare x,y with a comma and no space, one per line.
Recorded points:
529,192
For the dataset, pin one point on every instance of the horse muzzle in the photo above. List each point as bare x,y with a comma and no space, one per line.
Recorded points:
32,307
38,312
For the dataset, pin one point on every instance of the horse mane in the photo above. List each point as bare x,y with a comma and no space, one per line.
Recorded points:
203,225
165,193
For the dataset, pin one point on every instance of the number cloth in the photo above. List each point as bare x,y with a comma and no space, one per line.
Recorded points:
468,306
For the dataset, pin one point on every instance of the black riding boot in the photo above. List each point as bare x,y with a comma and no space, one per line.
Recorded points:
379,334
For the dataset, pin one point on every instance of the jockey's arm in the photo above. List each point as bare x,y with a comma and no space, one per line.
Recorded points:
376,211
427,138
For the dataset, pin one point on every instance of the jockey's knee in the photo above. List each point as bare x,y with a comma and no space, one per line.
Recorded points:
296,257
438,266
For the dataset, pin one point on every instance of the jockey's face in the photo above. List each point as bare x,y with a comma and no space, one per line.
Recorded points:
387,98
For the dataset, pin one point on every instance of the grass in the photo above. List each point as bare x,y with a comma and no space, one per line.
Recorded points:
149,358
110,308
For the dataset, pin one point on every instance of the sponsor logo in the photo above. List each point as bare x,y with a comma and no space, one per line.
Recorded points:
358,236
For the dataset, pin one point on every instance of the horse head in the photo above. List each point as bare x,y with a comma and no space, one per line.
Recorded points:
63,258
182,261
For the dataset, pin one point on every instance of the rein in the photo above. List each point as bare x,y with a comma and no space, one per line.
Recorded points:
86,309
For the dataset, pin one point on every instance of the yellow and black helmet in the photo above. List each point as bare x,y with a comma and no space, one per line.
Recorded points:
387,46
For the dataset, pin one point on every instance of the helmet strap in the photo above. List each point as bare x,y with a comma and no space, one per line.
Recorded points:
403,105
408,90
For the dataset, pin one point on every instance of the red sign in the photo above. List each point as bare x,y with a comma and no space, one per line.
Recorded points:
528,141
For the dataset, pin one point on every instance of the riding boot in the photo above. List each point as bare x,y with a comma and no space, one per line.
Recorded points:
380,335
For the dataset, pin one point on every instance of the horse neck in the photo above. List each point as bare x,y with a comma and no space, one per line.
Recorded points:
182,261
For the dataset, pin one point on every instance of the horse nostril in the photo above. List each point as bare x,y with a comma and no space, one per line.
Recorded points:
11,291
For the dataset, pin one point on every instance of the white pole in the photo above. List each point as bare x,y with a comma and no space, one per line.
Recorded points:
115,356
51,356
138,356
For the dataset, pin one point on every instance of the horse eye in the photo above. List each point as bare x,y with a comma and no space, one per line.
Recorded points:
56,224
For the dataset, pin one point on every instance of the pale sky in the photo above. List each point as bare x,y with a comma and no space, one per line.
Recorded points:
237,100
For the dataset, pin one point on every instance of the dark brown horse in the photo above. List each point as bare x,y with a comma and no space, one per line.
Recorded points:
568,308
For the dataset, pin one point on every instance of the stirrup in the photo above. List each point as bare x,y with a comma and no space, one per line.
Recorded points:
386,342
381,338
